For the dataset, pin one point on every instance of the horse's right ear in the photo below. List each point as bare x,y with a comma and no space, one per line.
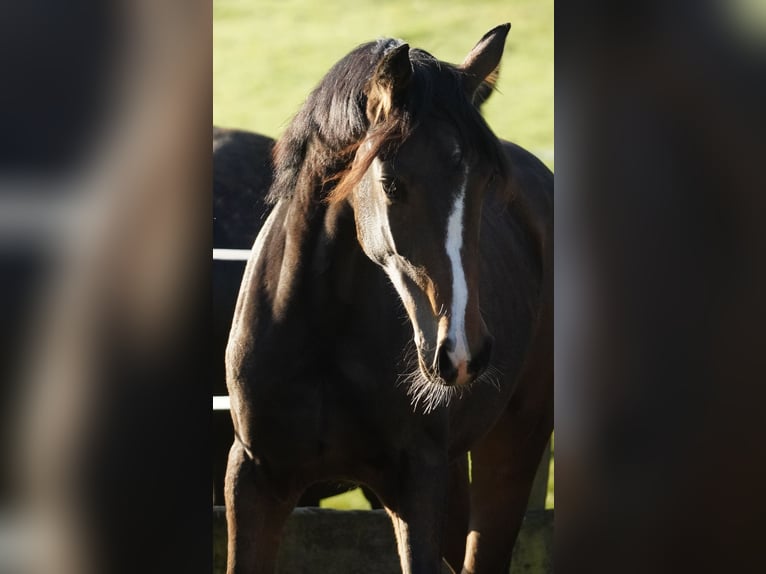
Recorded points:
388,83
481,66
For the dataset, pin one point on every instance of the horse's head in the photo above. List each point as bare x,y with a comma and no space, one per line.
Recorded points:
417,185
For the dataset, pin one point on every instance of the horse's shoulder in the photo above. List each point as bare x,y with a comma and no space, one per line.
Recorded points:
242,174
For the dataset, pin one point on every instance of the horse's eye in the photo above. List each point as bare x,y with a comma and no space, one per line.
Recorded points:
391,184
390,187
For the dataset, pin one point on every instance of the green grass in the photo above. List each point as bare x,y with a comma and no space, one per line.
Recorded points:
352,500
549,499
269,54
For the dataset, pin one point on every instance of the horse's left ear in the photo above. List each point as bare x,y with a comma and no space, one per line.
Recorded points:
388,83
481,66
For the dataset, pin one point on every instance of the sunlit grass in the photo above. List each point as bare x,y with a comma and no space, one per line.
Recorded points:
351,500
549,499
268,55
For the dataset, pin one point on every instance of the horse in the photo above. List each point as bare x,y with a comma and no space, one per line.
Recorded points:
242,176
396,312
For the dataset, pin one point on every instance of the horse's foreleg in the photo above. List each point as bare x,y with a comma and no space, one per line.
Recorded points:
255,516
222,437
456,527
417,510
504,464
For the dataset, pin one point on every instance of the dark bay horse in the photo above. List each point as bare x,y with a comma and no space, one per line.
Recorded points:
396,312
242,175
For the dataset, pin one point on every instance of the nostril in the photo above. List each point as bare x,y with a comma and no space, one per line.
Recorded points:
447,345
444,364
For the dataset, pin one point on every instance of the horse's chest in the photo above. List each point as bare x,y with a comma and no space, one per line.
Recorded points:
330,421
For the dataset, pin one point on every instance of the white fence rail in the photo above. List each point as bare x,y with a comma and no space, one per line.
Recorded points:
221,403
231,254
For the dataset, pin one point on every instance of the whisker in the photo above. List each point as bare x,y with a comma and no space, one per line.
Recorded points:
492,376
426,394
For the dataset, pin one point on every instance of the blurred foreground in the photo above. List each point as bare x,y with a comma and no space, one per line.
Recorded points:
660,284
105,250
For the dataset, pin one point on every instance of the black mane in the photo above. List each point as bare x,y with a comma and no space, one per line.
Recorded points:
320,141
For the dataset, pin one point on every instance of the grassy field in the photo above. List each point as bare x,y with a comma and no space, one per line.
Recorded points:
269,54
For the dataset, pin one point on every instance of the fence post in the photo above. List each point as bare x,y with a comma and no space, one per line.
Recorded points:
352,541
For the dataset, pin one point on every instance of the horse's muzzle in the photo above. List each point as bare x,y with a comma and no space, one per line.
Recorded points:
463,374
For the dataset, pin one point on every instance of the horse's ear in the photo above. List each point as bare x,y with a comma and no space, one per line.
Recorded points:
485,89
481,66
388,83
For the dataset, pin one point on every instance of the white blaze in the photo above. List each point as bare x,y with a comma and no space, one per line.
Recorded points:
454,244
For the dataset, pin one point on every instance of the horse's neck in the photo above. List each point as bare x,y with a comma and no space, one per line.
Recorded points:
312,301
290,291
